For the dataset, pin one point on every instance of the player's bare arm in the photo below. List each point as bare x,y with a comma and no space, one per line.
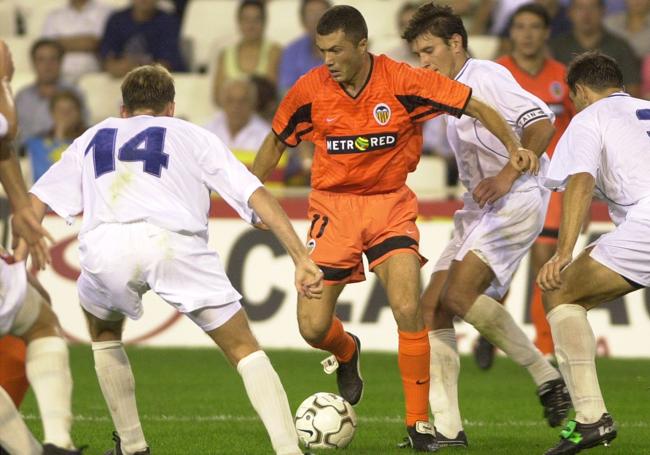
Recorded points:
522,159
268,156
309,278
535,138
577,200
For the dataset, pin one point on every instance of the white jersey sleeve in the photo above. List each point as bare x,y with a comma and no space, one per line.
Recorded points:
577,151
518,106
61,186
227,176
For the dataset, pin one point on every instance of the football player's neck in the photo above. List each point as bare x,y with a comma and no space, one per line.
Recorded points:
358,80
458,62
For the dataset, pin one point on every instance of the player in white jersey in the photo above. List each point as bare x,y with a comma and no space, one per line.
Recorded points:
503,214
24,309
143,183
604,151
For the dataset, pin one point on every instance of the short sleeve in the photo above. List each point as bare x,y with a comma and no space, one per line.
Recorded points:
292,120
578,151
426,94
228,177
61,185
519,107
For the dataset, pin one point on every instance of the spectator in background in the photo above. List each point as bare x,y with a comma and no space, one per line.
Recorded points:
78,28
302,54
46,149
33,101
589,33
139,35
267,97
645,75
492,16
560,22
252,54
403,52
237,125
633,25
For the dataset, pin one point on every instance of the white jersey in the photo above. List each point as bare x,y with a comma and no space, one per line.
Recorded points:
611,141
154,169
479,153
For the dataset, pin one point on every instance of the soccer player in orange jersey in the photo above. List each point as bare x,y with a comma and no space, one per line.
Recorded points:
545,78
364,113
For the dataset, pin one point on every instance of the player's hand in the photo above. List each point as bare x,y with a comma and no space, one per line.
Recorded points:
549,278
490,189
25,225
309,279
6,62
525,160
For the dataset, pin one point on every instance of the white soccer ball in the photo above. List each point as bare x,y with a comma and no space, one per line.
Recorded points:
325,421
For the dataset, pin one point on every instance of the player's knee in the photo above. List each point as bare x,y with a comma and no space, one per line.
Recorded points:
313,330
457,300
405,312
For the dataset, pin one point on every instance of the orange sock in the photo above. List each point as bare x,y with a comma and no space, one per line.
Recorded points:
544,339
413,359
338,342
13,377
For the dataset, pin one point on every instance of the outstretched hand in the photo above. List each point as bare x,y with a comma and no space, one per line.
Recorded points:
25,226
309,279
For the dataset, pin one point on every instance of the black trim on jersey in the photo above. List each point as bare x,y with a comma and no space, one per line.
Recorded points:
534,119
301,115
550,233
372,66
388,245
335,274
412,102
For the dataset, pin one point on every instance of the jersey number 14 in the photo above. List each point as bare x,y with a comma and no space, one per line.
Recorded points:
146,146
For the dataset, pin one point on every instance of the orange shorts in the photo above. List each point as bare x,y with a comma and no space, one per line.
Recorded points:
343,226
552,222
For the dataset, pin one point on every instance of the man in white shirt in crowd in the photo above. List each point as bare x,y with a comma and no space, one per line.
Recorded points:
604,151
78,28
142,182
503,214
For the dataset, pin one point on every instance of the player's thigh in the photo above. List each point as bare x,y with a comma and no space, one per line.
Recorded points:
334,236
400,276
36,319
235,337
315,315
109,329
466,281
588,283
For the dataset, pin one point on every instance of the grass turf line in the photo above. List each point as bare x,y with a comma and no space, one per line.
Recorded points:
192,402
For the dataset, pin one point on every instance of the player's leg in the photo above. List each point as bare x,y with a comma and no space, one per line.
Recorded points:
444,365
585,284
464,296
541,252
400,276
116,379
228,327
13,378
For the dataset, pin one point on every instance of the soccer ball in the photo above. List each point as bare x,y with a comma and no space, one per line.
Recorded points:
325,421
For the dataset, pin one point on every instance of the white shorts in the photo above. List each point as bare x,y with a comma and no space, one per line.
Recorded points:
626,251
120,262
500,234
13,289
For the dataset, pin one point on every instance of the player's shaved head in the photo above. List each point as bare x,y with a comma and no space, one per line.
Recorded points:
148,87
595,70
437,20
345,18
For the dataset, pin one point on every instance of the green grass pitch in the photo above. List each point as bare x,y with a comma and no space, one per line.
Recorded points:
192,402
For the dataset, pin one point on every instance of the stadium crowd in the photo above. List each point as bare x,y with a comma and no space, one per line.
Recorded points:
71,53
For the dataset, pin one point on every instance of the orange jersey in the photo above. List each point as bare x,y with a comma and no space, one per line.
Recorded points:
369,143
550,86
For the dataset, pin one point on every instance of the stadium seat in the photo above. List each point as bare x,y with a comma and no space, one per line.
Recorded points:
283,21
7,18
208,25
103,96
483,46
20,47
193,99
430,177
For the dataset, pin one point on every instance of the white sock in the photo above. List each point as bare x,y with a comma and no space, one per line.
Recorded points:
14,435
48,372
269,399
118,386
495,323
575,350
443,391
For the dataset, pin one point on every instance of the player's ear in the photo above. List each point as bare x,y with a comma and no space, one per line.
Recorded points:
362,45
456,42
